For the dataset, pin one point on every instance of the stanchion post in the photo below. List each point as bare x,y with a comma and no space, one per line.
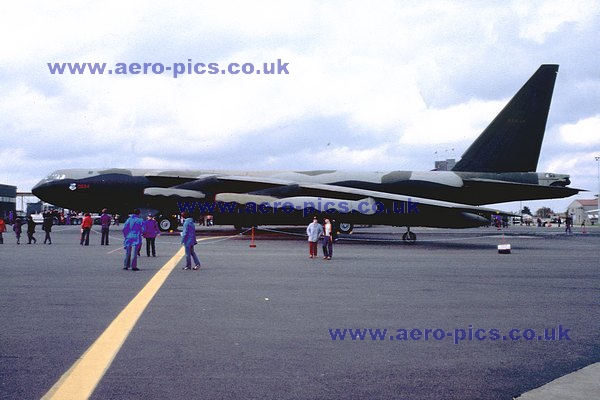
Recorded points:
252,241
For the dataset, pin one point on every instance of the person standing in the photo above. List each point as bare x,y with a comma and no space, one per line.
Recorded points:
47,227
31,230
334,230
132,239
2,229
105,221
17,229
568,224
151,231
188,239
314,230
327,240
86,227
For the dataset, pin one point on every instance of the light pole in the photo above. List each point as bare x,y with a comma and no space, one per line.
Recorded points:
598,211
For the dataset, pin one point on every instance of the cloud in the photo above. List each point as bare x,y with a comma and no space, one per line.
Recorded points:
451,125
542,18
585,132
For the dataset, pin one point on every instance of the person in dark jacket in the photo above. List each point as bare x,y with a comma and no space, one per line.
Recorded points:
105,221
31,230
47,227
150,232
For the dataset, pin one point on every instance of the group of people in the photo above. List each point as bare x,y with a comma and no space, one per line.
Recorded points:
86,226
18,229
135,228
134,231
315,231
149,231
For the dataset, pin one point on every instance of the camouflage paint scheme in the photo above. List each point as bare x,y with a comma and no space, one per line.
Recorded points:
485,174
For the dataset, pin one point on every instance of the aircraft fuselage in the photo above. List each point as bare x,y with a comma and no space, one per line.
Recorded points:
121,190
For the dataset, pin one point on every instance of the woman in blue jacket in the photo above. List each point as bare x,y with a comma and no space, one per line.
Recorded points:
132,233
188,240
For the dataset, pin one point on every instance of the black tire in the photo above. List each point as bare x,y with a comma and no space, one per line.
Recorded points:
166,224
345,227
409,237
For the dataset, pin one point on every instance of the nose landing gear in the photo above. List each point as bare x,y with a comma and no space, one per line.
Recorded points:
409,237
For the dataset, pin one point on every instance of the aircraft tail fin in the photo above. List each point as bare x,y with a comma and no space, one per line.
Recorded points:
512,141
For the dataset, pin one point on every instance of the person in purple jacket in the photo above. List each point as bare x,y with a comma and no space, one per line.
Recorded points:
105,221
188,240
132,233
18,229
150,232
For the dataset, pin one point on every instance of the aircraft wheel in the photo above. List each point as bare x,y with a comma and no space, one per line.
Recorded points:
409,237
166,224
345,227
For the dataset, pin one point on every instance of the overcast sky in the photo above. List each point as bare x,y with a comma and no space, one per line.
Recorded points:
386,85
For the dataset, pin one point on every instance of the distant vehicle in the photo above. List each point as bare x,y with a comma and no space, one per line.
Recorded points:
78,219
37,218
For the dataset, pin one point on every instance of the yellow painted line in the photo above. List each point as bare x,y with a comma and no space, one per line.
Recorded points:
80,381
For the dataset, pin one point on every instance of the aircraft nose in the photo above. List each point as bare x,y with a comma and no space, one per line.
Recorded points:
38,190
45,191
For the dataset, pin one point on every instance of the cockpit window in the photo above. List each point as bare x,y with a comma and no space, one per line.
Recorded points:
55,176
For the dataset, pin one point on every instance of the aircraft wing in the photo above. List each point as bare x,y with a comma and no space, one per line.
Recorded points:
325,193
296,198
275,192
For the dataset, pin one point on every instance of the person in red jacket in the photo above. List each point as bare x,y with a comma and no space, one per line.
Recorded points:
86,227
2,229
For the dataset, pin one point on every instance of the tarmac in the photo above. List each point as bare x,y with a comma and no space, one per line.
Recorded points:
266,322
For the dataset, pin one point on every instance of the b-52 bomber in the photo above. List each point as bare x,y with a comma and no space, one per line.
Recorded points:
498,167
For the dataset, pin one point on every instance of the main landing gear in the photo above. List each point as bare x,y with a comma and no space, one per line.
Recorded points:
345,227
409,237
167,223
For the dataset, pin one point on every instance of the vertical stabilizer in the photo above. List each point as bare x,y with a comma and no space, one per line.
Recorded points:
512,141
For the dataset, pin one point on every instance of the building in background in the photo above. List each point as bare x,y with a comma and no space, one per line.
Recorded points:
445,165
579,210
8,200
